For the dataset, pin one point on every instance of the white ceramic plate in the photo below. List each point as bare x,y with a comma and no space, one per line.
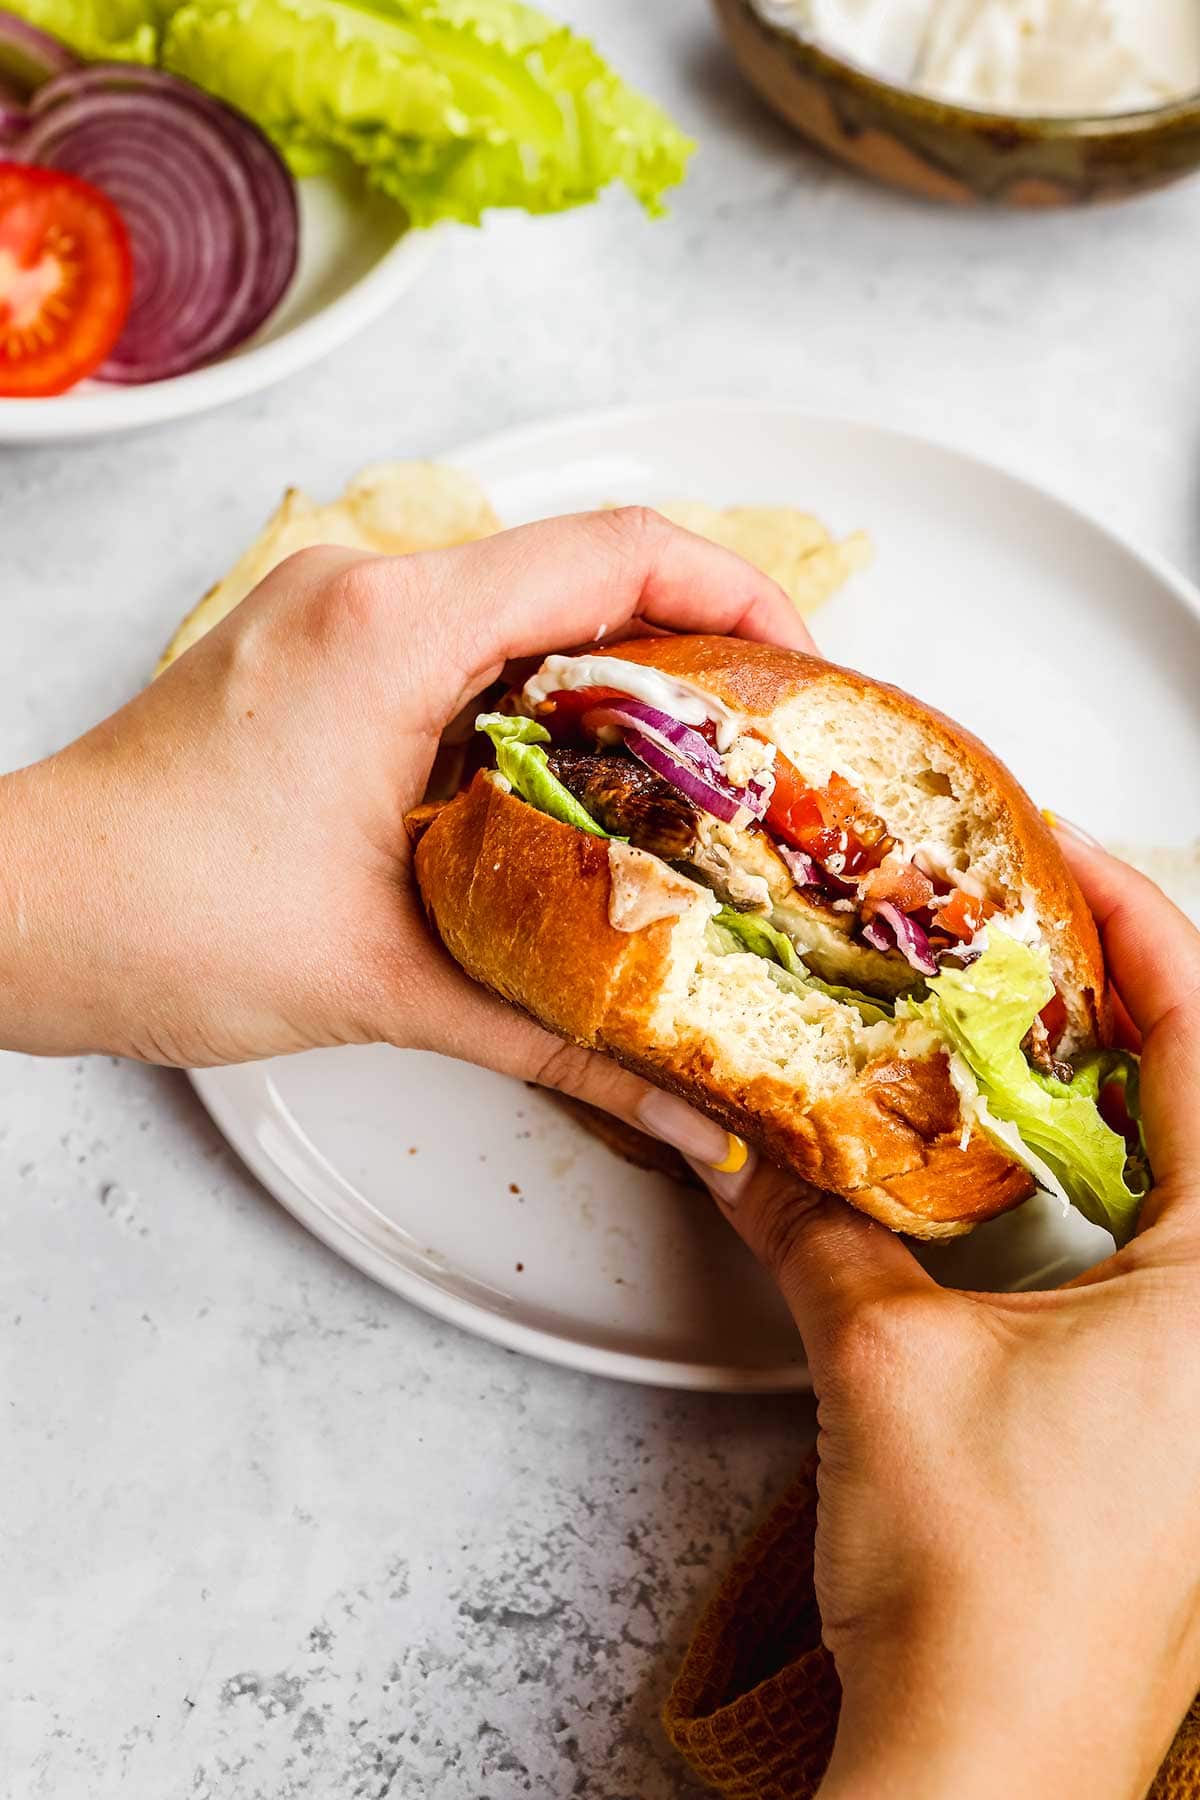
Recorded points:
1076,657
355,258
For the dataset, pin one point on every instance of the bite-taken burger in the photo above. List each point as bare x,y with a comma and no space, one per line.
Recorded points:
810,905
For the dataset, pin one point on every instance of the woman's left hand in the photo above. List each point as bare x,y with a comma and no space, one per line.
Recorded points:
221,872
1008,1537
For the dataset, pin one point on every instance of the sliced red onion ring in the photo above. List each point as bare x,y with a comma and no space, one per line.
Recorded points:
803,868
679,739
891,929
686,748
14,120
210,206
723,802
28,57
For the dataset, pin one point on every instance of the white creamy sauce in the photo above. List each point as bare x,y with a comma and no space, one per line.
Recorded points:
643,890
681,699
944,864
1025,925
1014,56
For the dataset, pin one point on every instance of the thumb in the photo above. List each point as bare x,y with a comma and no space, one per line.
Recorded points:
828,1260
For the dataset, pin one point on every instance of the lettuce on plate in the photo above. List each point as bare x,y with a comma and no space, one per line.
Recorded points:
526,767
450,106
1053,1127
108,30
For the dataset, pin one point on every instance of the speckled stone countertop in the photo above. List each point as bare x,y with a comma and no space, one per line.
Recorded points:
267,1531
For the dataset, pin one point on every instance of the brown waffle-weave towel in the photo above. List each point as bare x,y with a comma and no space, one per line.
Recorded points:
755,1706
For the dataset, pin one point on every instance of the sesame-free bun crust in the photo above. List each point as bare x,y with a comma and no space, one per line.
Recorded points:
785,690
523,903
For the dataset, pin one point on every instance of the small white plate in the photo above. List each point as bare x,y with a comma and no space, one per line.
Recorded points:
356,257
1073,654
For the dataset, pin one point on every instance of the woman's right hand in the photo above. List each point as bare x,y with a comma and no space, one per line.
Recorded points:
1008,1543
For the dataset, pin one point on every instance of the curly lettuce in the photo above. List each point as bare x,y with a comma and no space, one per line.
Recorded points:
982,1013
448,106
98,30
526,767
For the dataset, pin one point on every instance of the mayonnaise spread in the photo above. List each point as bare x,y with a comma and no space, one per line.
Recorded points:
691,705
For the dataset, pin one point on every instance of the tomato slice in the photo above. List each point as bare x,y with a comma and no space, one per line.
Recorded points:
829,822
562,712
794,807
66,279
961,914
903,886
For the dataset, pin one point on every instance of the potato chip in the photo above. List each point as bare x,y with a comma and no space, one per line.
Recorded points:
389,508
790,546
396,508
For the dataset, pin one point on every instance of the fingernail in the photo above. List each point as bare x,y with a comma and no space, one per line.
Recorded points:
737,1157
1056,822
727,1184
699,1139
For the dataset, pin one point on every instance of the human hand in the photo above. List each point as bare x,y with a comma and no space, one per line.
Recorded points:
1008,1542
221,871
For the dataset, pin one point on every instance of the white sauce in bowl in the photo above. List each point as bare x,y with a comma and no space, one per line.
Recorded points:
1040,57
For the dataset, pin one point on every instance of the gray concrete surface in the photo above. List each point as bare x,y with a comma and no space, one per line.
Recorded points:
269,1533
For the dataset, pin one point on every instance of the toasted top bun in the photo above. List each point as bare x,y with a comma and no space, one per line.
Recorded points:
608,946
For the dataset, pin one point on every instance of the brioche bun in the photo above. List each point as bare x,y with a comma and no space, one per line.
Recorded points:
527,906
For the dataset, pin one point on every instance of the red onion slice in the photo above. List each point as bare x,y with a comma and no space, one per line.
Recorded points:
210,206
686,749
681,740
722,802
272,185
891,929
803,869
28,57
14,120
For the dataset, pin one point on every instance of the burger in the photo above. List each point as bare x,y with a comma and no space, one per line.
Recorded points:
810,905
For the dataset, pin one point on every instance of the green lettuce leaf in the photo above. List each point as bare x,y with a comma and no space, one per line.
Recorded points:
983,1013
522,761
450,106
112,30
746,931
